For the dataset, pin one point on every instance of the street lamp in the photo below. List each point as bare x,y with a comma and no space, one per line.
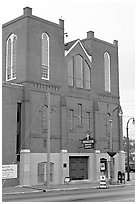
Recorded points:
128,174
111,153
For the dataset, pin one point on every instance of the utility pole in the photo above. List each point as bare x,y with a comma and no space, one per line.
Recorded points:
48,146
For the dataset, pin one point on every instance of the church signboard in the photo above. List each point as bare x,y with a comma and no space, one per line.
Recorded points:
88,142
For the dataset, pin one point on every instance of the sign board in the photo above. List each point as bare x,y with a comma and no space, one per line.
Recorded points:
88,146
67,180
88,142
102,166
9,171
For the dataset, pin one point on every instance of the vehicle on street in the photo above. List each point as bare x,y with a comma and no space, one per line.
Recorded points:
131,167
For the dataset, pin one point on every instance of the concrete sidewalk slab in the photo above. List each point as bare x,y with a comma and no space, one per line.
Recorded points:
63,187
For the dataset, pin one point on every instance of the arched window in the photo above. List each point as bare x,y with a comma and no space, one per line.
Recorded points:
71,72
79,71
45,56
11,47
107,71
87,75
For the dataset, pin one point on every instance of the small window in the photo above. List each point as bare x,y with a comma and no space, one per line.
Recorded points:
71,119
44,143
45,56
65,165
11,47
79,114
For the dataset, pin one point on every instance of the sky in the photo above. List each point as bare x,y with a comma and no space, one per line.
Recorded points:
108,19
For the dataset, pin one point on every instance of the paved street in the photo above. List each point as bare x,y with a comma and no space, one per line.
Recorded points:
115,194
111,195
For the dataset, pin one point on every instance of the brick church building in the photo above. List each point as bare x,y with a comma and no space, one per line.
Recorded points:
82,77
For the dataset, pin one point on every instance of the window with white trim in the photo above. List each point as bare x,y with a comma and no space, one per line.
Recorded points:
79,71
71,72
107,71
87,75
45,56
11,47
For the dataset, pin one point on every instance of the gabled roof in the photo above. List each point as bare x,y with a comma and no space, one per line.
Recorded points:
71,45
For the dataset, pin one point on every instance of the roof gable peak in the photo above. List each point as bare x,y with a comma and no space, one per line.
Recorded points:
78,42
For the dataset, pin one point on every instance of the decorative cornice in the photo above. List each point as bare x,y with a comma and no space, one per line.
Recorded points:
13,85
46,86
108,97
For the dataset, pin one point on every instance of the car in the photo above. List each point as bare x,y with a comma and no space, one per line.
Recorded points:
131,167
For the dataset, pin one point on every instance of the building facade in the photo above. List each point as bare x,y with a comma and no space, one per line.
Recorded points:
82,78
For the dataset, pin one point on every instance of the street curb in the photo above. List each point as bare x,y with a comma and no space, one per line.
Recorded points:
64,189
22,192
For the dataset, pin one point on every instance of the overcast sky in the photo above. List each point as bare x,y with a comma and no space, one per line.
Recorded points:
110,20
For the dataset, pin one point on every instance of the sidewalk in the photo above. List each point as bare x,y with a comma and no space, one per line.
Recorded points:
71,186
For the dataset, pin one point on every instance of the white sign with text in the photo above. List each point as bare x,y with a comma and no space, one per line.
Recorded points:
9,171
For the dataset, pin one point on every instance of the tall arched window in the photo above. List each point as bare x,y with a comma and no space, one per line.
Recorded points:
107,71
87,75
45,56
71,72
11,47
79,71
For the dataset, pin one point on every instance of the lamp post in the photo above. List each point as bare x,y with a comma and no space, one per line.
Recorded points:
111,153
128,173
